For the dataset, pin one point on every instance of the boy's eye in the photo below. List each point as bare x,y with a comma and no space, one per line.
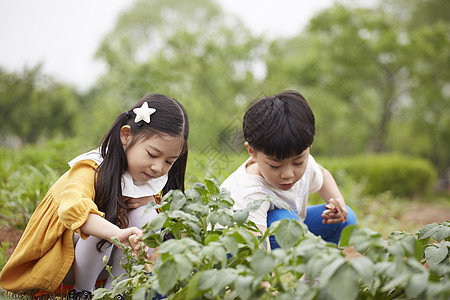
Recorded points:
272,166
152,156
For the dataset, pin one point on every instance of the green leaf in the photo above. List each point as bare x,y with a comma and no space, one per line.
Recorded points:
364,267
244,286
157,222
288,233
211,237
184,266
178,200
262,263
317,263
194,195
330,269
140,292
216,280
344,284
396,250
240,216
436,231
243,236
213,218
225,219
230,244
398,279
436,253
254,204
212,186
417,285
344,240
192,288
167,275
226,197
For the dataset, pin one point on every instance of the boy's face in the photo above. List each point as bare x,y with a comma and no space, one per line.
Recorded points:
281,173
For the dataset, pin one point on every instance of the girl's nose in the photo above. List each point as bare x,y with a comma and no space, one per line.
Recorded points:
156,167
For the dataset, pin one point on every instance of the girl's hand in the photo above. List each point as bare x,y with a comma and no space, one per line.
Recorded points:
138,245
124,234
336,212
138,202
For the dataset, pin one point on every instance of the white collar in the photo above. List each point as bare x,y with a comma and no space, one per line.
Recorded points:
129,187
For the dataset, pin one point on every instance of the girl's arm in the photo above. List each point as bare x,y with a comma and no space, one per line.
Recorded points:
102,228
329,191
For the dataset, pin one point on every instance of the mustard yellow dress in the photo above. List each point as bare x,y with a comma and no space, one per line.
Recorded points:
45,252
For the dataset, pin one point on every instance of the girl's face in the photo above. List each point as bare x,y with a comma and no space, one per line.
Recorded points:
281,173
150,158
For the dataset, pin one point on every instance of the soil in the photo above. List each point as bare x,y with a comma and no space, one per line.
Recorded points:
11,235
417,214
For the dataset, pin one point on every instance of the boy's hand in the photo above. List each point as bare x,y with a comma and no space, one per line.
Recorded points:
336,212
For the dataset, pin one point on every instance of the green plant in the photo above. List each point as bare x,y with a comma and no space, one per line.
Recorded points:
213,253
22,191
403,176
3,257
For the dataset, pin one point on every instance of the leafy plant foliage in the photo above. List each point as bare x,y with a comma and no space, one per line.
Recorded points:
214,253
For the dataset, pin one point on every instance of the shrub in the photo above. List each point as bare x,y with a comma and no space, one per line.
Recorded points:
403,176
213,254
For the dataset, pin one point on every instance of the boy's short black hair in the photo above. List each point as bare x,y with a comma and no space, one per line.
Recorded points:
280,125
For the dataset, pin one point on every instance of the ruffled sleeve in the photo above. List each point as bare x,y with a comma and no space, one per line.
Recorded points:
77,198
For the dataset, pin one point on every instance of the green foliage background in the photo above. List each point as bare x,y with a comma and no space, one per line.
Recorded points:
376,78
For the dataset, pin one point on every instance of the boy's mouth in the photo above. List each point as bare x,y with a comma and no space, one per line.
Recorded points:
286,186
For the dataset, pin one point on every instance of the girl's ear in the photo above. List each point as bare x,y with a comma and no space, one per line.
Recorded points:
250,150
125,135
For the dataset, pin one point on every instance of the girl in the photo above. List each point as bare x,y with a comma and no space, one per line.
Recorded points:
103,195
279,131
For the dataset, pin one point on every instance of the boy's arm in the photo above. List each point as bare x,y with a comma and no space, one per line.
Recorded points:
329,191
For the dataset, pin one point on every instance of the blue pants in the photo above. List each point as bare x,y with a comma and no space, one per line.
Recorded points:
328,232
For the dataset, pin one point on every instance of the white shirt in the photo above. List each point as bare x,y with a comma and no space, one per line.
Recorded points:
246,187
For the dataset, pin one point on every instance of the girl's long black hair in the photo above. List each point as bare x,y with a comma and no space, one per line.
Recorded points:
170,118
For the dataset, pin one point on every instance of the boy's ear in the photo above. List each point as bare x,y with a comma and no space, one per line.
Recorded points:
250,150
125,135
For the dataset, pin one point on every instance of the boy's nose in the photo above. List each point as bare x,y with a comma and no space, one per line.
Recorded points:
287,173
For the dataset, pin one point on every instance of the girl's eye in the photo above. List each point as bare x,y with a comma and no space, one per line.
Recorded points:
298,164
152,156
274,167
169,162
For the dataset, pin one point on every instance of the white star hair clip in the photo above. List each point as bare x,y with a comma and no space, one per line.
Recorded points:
143,113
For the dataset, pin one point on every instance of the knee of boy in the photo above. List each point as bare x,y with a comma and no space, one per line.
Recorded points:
279,214
351,217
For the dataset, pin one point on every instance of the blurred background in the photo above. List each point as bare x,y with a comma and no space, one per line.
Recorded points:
376,74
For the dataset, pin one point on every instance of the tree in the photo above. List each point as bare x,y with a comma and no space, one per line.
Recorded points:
378,78
34,106
188,50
